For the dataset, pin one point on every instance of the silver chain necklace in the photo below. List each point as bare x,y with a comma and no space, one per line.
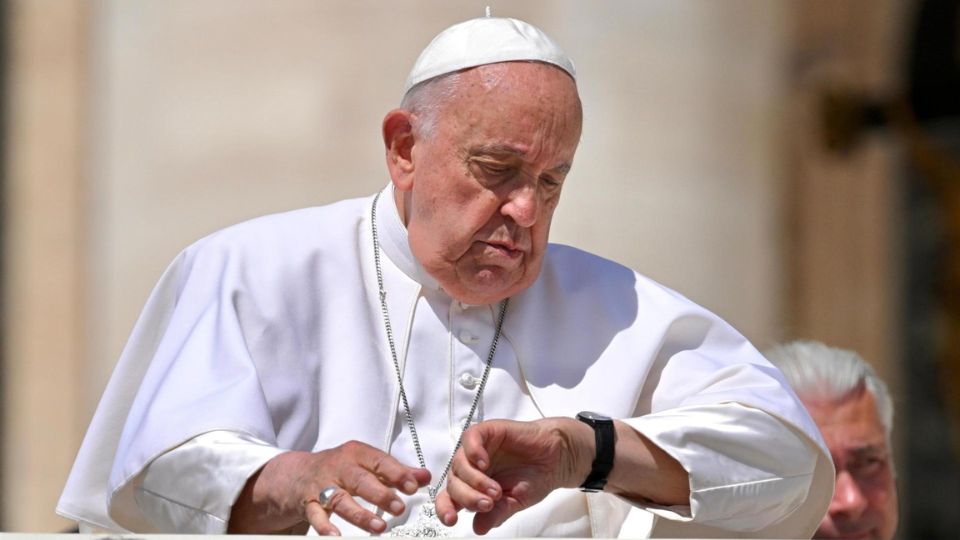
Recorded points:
427,524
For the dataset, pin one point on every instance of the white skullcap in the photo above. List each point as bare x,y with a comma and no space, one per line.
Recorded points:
486,40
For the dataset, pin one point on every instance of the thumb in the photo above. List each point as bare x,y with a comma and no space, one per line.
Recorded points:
474,447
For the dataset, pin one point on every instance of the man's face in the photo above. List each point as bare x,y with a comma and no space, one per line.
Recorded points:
864,502
484,186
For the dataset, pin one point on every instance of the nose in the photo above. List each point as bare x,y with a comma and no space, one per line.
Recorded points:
848,498
523,205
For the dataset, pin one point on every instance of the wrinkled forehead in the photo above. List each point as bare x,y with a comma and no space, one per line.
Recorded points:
850,419
524,103
514,83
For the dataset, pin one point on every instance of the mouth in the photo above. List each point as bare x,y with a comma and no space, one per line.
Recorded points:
506,249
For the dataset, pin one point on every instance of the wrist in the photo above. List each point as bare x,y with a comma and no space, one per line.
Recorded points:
577,449
605,440
263,506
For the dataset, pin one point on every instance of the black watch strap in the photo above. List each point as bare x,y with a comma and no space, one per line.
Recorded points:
606,443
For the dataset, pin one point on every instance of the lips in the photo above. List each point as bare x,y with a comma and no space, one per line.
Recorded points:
506,249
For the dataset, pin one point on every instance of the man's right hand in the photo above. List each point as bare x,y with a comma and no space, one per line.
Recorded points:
283,494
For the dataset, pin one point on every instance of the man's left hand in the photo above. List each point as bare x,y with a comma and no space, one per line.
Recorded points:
505,466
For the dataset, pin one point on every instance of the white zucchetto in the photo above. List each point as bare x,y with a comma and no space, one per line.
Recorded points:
485,40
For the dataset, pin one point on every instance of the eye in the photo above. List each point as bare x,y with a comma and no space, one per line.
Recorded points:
495,168
550,181
868,466
492,171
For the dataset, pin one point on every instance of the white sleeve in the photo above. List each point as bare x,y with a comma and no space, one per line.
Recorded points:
191,488
747,469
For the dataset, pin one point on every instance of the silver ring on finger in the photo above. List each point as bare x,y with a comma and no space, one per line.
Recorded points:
326,496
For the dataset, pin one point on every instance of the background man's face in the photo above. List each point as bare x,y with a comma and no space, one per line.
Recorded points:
864,503
485,185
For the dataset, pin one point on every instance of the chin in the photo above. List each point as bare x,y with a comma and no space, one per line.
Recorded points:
485,292
478,284
480,296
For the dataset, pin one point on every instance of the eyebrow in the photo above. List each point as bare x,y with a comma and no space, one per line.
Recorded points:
869,450
499,148
511,150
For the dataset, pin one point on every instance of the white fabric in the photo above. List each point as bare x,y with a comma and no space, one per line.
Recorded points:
193,487
486,40
271,329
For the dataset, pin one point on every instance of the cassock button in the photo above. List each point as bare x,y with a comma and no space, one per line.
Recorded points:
468,381
467,337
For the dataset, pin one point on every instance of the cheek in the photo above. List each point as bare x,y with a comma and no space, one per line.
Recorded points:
549,206
425,212
444,218
452,228
882,491
881,495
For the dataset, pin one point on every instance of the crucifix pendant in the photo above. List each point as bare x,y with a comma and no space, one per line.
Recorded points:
427,525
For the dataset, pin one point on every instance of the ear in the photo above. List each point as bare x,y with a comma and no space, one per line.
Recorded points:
398,139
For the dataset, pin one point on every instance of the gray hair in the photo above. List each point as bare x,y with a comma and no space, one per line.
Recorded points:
427,98
816,370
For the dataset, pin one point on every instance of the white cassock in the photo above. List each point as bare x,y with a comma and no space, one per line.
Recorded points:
268,336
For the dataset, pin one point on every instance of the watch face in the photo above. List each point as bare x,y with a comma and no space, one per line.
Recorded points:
588,415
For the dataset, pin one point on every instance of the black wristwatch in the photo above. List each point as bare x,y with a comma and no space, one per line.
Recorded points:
606,442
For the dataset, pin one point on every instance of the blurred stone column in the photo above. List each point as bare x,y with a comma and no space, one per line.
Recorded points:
844,205
43,262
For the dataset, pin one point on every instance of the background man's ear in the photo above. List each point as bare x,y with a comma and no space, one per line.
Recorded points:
398,140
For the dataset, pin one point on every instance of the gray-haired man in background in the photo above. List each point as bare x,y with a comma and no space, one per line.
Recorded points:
854,412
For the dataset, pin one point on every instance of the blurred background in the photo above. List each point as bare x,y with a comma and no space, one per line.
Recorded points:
792,165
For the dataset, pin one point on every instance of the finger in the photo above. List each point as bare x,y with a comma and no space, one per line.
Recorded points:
465,496
502,510
467,473
343,505
319,520
473,446
447,509
368,487
390,471
422,476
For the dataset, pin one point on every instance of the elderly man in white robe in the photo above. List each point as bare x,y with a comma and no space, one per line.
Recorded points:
421,362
